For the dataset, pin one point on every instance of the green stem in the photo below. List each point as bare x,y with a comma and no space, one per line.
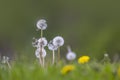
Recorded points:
41,33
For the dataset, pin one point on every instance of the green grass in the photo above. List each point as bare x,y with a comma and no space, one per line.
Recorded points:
32,71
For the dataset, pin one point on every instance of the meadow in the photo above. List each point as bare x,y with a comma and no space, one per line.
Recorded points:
55,67
92,70
89,30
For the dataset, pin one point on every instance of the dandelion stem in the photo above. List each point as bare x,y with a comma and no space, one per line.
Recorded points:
43,62
41,33
9,65
58,54
41,59
53,57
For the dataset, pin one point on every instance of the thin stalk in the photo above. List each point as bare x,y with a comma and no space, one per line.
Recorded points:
40,60
9,65
58,54
41,33
43,62
53,57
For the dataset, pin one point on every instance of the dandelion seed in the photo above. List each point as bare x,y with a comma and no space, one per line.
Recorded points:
42,42
41,24
58,41
70,55
67,68
83,59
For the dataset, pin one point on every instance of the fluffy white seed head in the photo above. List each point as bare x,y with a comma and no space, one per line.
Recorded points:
37,52
41,24
42,42
35,43
43,53
58,41
71,56
51,46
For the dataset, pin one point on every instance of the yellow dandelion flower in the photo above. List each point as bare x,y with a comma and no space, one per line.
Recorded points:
118,72
83,59
67,69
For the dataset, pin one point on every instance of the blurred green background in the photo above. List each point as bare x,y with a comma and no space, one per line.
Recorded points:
90,27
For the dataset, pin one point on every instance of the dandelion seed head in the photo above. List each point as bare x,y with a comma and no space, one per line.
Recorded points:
58,41
35,42
41,24
51,46
71,56
44,53
38,51
42,42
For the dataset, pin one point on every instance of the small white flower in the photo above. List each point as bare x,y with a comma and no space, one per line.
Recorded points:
37,52
42,42
51,46
41,24
70,55
58,41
